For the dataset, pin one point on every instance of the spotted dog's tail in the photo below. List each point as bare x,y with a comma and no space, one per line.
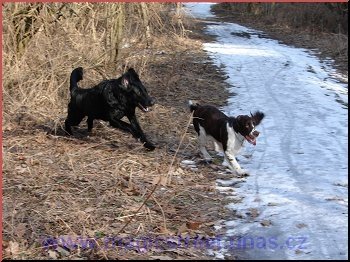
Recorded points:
192,106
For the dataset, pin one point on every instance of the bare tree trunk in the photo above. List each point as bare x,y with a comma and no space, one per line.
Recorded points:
116,23
145,16
179,19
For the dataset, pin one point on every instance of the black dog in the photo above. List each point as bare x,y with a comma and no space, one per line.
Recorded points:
110,101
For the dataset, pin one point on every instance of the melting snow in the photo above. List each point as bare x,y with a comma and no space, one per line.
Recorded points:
300,162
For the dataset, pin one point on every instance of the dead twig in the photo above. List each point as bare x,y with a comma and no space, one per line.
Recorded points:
160,178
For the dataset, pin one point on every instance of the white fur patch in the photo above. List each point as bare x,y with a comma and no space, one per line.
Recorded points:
234,141
234,144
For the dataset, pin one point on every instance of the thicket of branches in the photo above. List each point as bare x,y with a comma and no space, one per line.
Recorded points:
43,42
323,17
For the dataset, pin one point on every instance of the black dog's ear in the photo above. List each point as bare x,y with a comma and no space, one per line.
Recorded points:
126,82
126,68
132,71
257,117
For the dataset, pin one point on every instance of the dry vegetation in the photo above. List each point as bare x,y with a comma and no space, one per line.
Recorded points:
44,42
59,187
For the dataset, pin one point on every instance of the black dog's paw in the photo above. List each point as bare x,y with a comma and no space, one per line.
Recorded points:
68,133
205,161
149,146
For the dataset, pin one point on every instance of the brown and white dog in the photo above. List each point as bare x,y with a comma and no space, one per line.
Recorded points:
228,133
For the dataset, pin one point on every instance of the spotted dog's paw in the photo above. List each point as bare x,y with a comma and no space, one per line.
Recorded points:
242,172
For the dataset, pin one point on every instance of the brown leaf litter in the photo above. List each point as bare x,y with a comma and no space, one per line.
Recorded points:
88,187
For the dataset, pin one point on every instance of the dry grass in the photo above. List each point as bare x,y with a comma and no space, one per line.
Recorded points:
56,186
44,42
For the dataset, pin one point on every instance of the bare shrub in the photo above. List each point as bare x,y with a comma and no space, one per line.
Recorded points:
324,17
43,42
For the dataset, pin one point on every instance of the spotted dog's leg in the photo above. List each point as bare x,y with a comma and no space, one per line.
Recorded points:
202,138
230,159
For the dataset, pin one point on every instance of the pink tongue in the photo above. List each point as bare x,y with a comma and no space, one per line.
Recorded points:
252,141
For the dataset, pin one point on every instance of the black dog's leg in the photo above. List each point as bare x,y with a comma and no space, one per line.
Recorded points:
73,119
138,133
114,120
90,123
121,125
133,128
68,127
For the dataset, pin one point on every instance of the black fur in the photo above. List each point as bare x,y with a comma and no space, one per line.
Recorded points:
110,101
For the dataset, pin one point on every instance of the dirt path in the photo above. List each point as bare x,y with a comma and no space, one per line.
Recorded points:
69,197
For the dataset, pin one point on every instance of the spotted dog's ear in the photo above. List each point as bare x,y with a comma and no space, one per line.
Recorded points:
257,117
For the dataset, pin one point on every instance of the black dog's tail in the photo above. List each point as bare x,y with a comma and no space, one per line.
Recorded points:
75,77
192,106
